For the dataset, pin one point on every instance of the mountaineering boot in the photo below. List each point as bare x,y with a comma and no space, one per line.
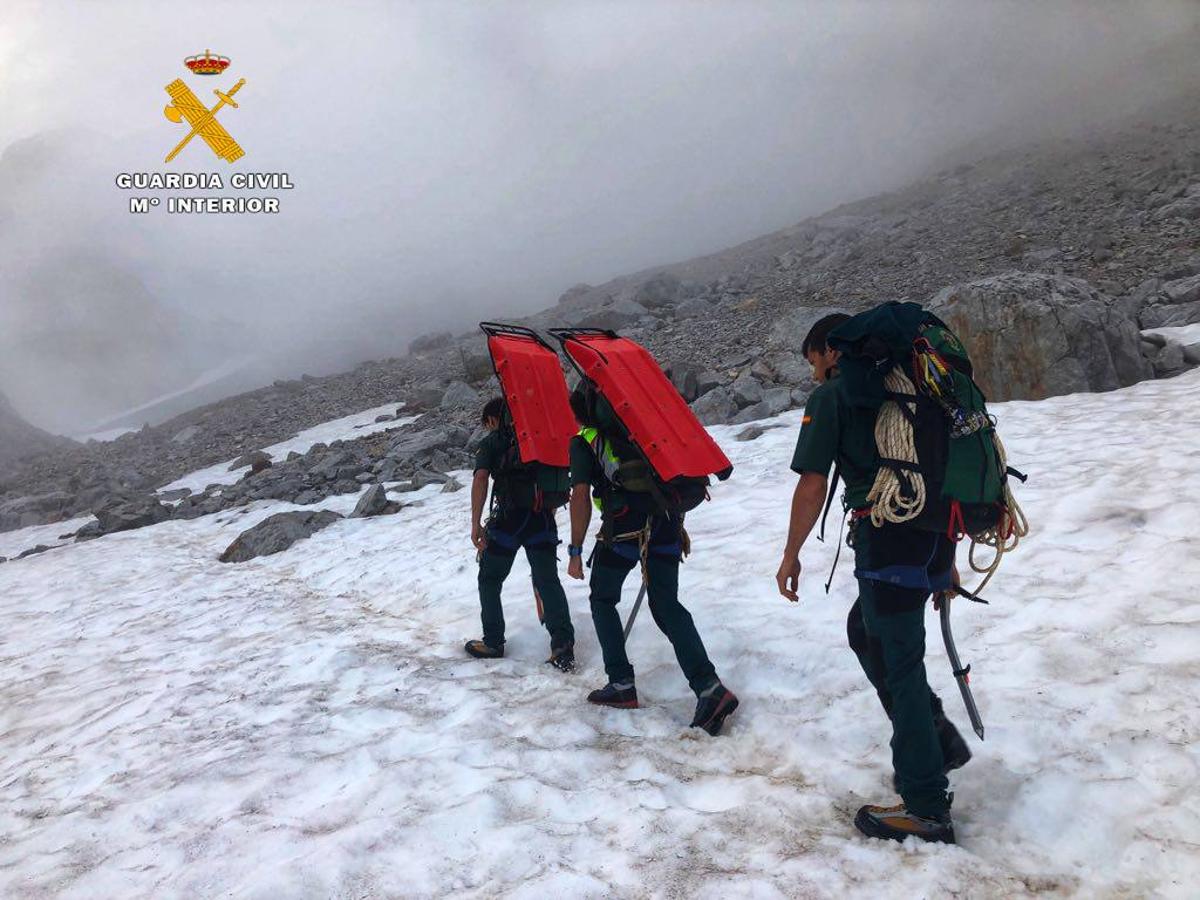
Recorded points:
955,752
480,650
618,696
712,707
563,658
895,823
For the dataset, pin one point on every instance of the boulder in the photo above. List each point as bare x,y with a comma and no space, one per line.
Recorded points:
659,290
374,502
257,460
1032,335
424,397
746,390
1191,354
790,330
173,495
33,551
617,315
716,407
1168,360
125,514
452,486
276,533
459,395
37,510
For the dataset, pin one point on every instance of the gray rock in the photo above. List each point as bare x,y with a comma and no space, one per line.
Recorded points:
1169,360
452,486
1191,354
37,510
257,460
33,551
616,316
790,368
125,514
374,502
276,533
693,309
424,478
459,395
176,494
790,330
88,532
1153,339
308,497
415,443
777,400
716,407
746,390
434,341
185,435
386,417
659,290
1185,290
1033,336
427,396
750,433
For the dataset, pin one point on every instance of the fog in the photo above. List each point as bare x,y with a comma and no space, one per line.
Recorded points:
458,159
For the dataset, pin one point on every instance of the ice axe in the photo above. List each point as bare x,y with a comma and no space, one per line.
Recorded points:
637,604
962,674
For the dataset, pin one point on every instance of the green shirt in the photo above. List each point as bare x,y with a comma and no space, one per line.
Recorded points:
832,431
489,454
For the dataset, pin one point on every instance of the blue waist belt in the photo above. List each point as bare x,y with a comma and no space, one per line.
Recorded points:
915,578
629,549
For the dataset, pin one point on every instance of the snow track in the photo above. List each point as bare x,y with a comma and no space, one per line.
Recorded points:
305,725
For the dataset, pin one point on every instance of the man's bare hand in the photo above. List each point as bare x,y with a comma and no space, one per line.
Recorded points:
478,537
575,567
788,578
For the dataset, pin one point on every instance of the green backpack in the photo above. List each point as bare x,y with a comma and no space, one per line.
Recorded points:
941,464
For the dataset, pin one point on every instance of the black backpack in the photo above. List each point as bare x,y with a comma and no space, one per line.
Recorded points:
523,485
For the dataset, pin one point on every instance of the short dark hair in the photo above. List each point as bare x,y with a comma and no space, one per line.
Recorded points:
493,409
581,405
815,341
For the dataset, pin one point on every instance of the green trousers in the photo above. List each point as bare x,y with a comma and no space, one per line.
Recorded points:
537,532
609,570
893,654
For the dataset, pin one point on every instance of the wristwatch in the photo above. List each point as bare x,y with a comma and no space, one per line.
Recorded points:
574,550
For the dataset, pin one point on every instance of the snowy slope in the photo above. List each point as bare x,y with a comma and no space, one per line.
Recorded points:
305,725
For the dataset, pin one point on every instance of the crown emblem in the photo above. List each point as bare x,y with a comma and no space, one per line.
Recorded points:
207,64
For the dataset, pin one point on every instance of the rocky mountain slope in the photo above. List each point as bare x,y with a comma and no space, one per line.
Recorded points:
1107,224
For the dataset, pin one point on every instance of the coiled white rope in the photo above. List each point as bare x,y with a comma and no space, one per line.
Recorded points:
894,439
1004,536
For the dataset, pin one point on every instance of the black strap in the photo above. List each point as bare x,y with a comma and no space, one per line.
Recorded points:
838,554
837,474
1021,476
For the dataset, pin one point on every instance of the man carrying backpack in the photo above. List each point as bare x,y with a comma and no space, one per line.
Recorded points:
635,530
886,626
522,516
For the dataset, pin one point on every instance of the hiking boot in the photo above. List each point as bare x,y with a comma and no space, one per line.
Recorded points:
955,752
712,707
616,696
895,823
563,658
480,650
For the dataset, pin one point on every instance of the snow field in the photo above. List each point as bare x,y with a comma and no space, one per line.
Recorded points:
306,725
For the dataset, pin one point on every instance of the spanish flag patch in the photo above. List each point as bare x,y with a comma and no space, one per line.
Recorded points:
806,420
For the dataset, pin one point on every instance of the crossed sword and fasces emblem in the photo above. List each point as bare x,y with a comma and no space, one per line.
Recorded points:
186,105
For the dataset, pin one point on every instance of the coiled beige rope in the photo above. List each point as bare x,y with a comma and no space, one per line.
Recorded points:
894,439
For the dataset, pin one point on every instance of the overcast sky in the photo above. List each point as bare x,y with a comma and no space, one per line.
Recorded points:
452,159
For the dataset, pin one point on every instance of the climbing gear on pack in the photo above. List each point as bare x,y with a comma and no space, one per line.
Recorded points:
941,464
962,674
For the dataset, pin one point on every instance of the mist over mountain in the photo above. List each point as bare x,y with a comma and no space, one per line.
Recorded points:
453,162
